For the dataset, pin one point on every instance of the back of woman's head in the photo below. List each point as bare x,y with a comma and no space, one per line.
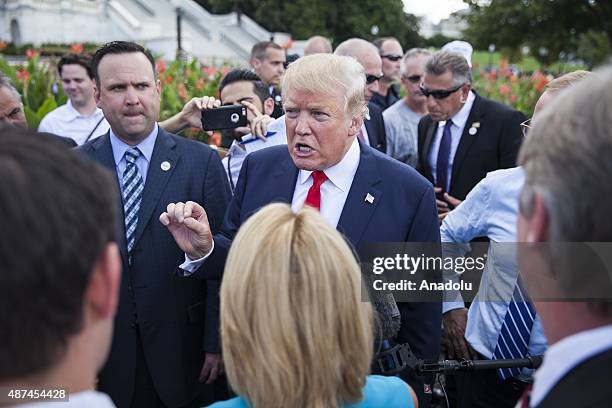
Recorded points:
295,332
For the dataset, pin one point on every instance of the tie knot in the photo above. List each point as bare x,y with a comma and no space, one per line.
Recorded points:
448,124
132,154
318,177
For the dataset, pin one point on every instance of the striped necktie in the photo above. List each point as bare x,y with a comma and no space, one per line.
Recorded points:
515,331
132,195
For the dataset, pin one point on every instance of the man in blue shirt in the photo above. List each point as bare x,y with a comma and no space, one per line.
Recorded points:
491,210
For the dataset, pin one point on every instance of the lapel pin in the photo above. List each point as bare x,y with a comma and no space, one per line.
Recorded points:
369,198
476,125
165,166
472,130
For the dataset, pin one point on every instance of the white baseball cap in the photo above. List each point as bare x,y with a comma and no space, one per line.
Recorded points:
460,47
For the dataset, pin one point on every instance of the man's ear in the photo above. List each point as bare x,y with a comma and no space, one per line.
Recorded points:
102,294
96,95
465,91
538,223
355,126
268,106
158,86
255,63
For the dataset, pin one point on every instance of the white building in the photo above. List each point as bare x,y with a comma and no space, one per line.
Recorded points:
452,26
214,39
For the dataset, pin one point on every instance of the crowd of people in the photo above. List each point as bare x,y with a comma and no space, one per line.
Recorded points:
143,269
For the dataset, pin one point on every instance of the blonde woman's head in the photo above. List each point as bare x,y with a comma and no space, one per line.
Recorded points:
295,332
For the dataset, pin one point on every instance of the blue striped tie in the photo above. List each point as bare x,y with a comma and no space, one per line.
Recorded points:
132,196
515,331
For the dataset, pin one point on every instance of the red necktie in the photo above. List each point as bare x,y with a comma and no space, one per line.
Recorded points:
313,198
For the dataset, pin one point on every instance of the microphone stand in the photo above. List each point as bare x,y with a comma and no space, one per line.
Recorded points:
400,357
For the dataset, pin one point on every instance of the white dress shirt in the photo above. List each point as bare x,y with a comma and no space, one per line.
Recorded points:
564,355
68,122
459,120
491,210
334,191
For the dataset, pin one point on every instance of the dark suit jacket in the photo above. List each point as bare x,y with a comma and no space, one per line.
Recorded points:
177,318
403,210
494,146
375,126
587,385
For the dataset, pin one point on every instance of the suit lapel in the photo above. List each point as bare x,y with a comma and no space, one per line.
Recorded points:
156,178
467,139
362,199
284,179
429,137
103,153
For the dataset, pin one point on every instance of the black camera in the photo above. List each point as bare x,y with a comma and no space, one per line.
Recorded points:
224,117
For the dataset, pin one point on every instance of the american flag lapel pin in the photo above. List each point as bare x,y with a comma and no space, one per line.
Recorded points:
369,198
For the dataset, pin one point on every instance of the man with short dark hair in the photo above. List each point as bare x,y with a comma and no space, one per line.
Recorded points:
391,54
464,136
60,272
79,119
166,333
267,61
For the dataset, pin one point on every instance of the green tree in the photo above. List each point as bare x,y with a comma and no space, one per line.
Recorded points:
550,28
338,20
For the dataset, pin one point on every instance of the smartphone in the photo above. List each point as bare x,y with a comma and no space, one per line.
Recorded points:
224,117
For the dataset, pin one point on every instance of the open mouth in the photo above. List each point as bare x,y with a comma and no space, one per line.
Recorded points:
303,148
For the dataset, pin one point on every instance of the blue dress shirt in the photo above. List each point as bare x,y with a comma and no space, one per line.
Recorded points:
491,210
146,148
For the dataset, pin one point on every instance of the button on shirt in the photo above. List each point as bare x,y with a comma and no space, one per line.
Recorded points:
459,120
334,191
145,147
68,122
490,209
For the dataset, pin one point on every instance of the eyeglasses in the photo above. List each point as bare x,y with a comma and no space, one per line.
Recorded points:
413,78
392,57
439,93
525,126
373,78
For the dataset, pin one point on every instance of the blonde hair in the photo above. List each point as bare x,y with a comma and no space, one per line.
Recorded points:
329,75
565,81
295,332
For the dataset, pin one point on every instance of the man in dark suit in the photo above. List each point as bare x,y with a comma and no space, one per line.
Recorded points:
465,136
564,220
372,132
268,62
165,336
366,195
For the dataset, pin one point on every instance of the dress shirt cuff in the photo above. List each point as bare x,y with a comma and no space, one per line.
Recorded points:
190,266
448,306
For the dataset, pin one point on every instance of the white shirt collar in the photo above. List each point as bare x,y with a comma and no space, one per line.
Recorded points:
72,113
145,146
342,173
235,150
566,354
461,117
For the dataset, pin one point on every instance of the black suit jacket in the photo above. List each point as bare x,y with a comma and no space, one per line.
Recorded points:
177,318
375,126
494,146
587,385
403,210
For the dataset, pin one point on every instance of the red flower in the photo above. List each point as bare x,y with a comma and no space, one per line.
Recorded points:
215,139
181,91
76,48
505,89
168,78
209,71
23,74
30,53
512,98
541,84
160,66
3,45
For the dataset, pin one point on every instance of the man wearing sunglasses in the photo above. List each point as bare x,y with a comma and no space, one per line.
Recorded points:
402,118
372,132
464,136
388,88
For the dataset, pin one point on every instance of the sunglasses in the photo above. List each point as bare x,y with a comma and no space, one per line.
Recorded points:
392,57
525,126
439,93
413,78
372,78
